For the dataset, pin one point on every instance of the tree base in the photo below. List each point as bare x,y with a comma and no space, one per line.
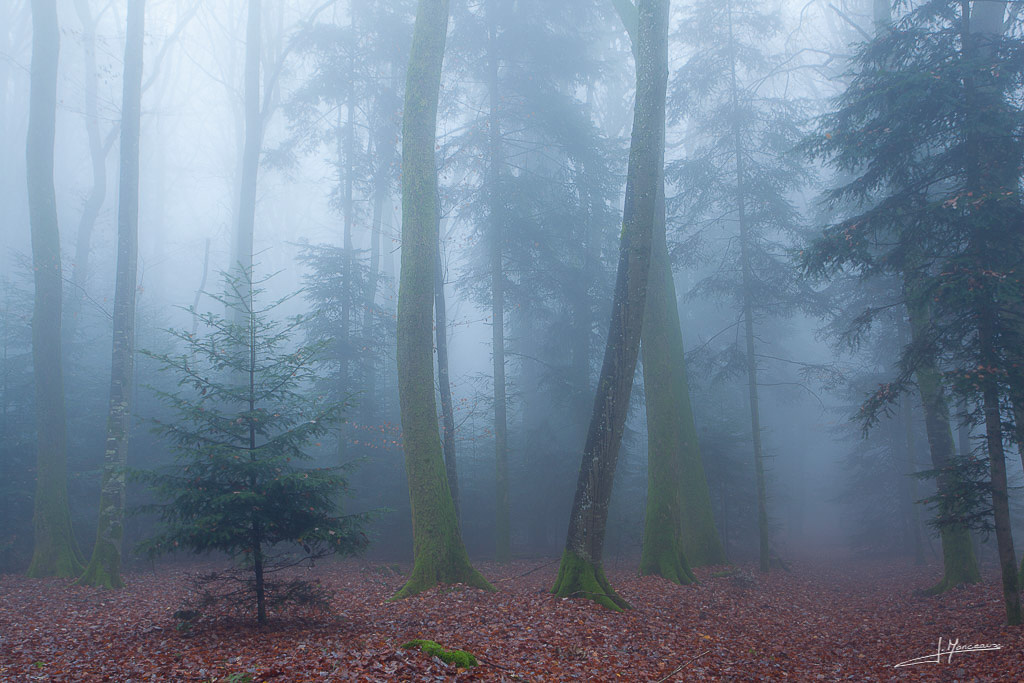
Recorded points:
103,570
424,578
671,566
579,578
959,564
61,563
947,584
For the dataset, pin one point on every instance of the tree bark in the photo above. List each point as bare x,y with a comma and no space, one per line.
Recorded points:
581,573
439,555
104,567
55,552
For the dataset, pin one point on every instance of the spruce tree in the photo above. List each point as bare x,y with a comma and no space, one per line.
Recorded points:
245,421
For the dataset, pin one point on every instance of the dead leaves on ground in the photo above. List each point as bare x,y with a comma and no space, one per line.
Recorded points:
813,624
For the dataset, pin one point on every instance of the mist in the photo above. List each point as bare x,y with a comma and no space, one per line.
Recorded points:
634,308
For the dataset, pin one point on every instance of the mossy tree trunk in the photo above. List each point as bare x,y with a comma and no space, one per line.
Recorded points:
503,526
54,552
104,567
959,565
438,552
581,573
679,526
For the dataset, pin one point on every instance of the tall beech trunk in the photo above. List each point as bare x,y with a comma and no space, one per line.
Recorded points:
679,525
502,528
439,555
249,169
104,567
764,543
444,382
959,565
670,426
581,573
54,552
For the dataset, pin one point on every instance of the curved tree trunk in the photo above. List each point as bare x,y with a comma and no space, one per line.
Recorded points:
55,552
438,553
104,567
581,573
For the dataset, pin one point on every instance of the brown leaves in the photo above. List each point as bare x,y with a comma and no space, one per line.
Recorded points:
813,624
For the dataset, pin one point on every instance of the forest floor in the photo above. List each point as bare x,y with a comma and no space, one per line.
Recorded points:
812,624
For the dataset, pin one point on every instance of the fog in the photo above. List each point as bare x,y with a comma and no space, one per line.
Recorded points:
533,148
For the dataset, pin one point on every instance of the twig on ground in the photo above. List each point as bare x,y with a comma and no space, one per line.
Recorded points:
680,667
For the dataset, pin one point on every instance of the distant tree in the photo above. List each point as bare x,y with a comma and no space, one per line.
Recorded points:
55,552
741,178
581,573
439,555
533,178
104,568
236,486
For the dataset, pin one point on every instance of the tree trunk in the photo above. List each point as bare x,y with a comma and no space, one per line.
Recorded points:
997,465
55,552
959,563
444,382
439,555
502,529
253,139
581,572
670,427
105,566
679,526
764,544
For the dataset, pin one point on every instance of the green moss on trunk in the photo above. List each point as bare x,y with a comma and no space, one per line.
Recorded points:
55,552
958,561
580,578
439,555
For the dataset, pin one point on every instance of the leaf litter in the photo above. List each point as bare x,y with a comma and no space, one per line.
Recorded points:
815,623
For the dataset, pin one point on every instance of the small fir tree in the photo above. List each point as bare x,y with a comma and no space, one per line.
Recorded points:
244,423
